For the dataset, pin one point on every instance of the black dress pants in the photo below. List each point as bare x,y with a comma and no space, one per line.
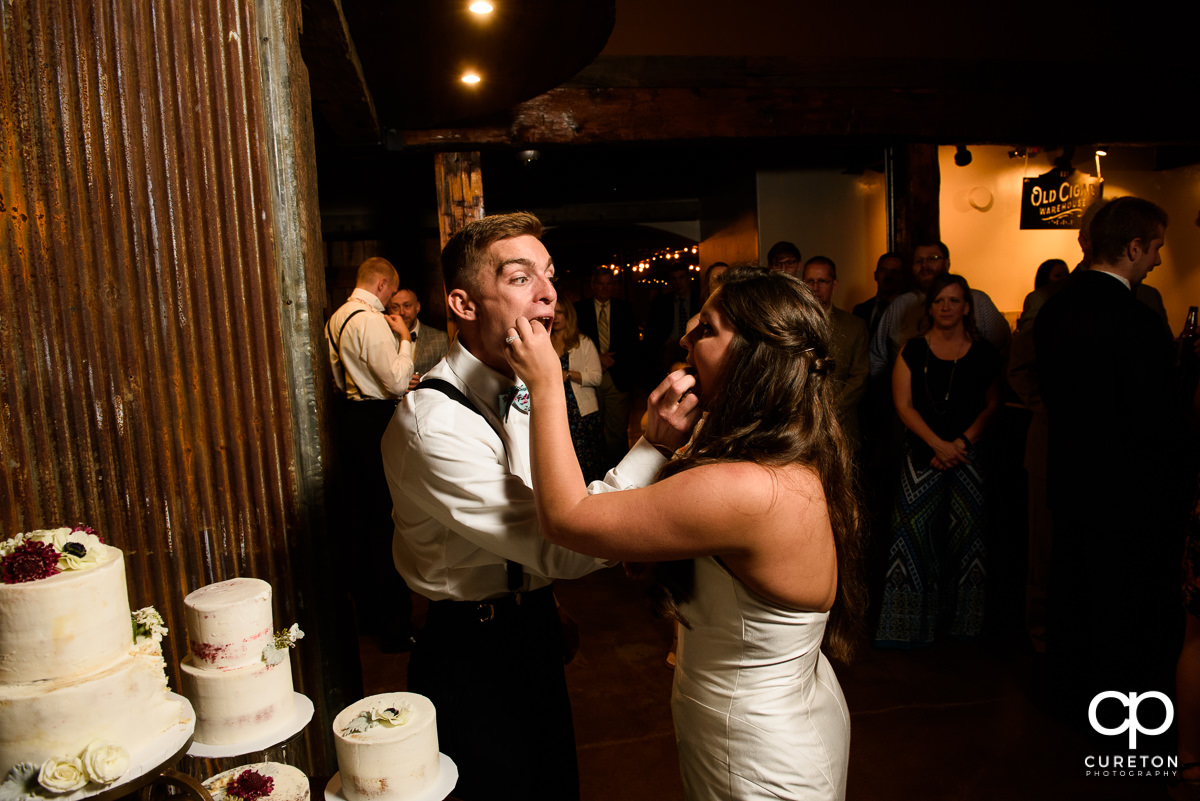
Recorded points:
495,674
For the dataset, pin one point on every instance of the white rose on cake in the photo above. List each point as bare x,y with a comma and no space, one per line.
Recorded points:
105,762
62,775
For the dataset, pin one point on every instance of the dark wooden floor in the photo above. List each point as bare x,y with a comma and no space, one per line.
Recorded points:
954,721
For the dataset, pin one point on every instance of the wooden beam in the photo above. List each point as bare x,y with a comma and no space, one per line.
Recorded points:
460,201
339,89
1003,114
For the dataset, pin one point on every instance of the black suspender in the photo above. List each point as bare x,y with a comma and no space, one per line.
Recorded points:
337,343
515,571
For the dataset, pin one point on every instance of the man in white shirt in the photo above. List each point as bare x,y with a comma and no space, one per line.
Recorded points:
899,322
456,456
371,369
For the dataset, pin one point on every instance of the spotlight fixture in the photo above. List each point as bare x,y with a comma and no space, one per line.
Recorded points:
470,77
1099,152
962,156
482,7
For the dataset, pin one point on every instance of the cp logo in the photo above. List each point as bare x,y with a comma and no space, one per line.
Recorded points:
1131,723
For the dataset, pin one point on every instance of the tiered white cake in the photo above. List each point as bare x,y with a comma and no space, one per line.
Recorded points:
387,747
79,698
262,781
238,690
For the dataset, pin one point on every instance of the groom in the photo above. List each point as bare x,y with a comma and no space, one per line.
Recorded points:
456,455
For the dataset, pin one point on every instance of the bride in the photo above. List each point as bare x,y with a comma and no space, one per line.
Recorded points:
760,505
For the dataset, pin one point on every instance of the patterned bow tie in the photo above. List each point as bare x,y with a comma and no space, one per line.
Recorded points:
517,396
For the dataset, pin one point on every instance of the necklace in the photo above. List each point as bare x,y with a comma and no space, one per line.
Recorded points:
941,407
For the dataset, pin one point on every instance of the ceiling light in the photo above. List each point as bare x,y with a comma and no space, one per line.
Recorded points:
482,7
470,77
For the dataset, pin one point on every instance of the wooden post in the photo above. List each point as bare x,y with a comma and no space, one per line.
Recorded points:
460,201
914,181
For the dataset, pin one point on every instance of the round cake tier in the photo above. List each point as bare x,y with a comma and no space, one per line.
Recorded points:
388,762
125,703
66,625
287,783
229,623
238,704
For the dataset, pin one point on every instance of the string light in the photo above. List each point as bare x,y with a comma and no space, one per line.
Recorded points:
643,267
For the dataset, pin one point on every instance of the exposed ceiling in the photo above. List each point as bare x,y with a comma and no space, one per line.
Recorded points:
631,103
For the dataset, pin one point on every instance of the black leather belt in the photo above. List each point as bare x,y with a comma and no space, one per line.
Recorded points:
491,610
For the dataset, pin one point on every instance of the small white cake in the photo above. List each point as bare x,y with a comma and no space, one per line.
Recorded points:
237,693
262,781
387,747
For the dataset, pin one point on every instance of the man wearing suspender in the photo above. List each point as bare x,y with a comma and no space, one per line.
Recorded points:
456,455
371,370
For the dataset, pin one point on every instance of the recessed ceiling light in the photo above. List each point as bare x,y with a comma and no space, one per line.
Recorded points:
470,77
482,7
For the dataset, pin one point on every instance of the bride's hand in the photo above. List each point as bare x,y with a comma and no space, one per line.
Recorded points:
531,355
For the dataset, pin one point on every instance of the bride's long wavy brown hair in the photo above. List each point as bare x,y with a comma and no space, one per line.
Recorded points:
775,406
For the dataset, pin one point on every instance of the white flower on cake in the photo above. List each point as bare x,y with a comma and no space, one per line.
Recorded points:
148,623
275,651
105,762
21,783
39,554
62,775
368,718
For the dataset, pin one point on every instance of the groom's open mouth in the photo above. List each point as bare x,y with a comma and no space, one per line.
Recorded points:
545,321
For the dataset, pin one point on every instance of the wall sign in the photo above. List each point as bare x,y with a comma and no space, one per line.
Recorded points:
1057,199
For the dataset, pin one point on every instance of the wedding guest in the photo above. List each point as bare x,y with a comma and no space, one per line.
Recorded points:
889,282
429,344
946,388
784,257
1051,271
760,509
1116,477
712,278
849,344
609,322
371,369
581,374
669,313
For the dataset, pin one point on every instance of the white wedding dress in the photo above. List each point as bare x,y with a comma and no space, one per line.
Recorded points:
758,711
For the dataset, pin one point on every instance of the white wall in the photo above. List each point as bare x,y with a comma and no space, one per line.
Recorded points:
980,218
827,213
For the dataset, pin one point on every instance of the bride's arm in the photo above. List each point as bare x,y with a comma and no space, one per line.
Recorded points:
559,490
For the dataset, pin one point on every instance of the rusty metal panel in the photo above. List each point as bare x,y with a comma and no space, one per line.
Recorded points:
143,374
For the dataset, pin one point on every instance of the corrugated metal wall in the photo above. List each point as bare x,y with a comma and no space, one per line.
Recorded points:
145,376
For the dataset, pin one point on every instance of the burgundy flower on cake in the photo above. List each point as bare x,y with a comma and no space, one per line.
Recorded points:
250,785
29,561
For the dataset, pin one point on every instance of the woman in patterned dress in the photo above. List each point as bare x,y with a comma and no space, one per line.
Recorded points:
946,386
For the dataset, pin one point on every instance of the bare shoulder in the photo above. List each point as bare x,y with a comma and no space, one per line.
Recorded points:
752,489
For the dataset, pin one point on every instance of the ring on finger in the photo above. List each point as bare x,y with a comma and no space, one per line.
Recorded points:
509,340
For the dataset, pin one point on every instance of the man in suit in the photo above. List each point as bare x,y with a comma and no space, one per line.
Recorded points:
429,344
1116,483
608,321
668,318
849,345
889,282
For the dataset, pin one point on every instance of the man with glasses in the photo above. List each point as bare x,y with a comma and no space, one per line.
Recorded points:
849,346
899,323
784,257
